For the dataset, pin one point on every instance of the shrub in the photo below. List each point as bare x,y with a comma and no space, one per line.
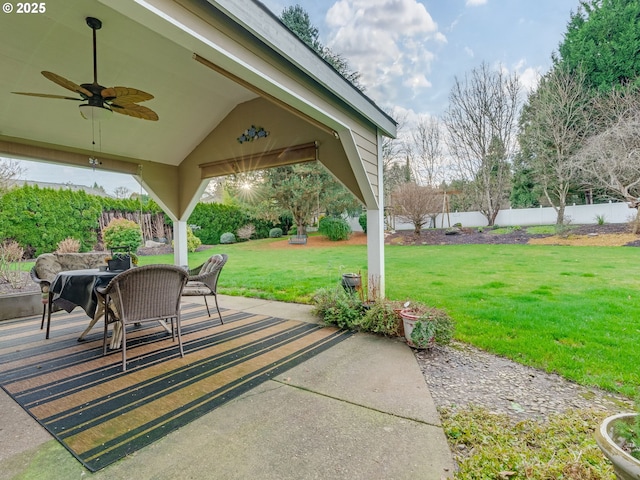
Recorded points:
293,230
381,317
337,307
362,220
227,238
275,232
122,233
600,219
68,245
246,232
193,242
334,228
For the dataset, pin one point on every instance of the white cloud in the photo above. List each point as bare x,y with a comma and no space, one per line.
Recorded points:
389,42
469,52
476,3
528,76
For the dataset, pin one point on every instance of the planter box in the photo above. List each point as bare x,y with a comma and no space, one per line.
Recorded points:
20,305
119,264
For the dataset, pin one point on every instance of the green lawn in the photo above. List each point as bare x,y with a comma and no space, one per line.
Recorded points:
570,310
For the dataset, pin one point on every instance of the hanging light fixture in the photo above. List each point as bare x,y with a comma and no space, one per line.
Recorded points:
95,112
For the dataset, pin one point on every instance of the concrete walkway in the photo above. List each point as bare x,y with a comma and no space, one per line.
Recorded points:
359,410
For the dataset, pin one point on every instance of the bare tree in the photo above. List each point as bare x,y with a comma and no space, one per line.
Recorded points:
426,153
9,170
610,160
553,125
122,192
417,204
481,122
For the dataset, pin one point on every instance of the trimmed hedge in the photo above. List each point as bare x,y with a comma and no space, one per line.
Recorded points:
39,218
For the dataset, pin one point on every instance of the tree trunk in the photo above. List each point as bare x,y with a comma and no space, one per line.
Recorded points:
301,228
637,221
560,218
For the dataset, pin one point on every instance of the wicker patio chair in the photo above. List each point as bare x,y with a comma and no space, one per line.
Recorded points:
143,294
203,280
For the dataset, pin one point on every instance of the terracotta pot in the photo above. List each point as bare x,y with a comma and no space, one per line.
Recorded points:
625,466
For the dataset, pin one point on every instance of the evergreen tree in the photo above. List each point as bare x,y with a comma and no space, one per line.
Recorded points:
603,39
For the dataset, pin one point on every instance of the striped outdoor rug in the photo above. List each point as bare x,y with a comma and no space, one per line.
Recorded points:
101,414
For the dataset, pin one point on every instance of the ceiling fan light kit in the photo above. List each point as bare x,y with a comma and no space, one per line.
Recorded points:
95,113
101,101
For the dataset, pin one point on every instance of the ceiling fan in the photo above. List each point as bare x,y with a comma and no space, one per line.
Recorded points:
100,101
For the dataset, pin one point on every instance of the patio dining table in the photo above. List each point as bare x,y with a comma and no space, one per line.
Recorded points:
76,288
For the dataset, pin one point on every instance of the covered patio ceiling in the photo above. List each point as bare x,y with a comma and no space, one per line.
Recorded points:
215,69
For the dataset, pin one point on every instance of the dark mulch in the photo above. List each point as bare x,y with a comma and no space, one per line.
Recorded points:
438,236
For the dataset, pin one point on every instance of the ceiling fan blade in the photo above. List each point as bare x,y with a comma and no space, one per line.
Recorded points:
133,110
68,84
125,95
47,95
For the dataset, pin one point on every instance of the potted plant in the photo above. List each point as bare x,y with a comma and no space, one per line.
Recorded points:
619,439
425,326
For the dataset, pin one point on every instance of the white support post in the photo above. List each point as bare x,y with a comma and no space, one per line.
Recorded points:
180,252
375,253
375,237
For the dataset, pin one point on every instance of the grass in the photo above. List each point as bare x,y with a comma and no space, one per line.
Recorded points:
569,310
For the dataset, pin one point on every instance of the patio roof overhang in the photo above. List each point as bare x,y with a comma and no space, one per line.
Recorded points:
215,69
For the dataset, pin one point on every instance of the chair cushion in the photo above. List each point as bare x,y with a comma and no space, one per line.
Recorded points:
196,288
211,264
48,265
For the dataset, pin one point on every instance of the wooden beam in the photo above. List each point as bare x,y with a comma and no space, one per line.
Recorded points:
275,158
55,154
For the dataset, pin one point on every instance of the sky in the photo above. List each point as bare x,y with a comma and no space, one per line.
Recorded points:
409,53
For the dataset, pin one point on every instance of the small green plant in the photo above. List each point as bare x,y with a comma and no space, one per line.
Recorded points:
382,317
628,434
193,242
122,233
433,325
600,219
68,245
334,228
227,238
480,229
275,232
362,220
337,307
423,333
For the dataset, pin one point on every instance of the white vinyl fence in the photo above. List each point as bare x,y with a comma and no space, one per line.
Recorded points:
576,214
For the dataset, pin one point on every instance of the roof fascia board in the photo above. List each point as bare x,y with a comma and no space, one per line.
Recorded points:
269,29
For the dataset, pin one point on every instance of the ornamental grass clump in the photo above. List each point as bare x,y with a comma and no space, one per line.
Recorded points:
68,245
10,254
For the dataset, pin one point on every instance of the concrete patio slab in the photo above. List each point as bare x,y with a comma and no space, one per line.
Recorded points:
359,410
